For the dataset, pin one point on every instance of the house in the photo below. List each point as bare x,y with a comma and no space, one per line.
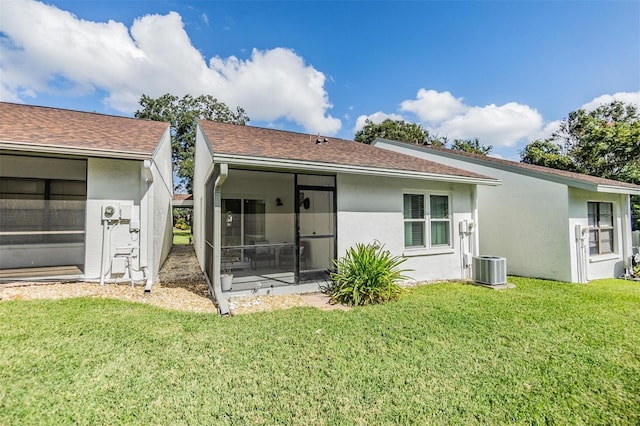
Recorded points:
83,196
275,208
548,223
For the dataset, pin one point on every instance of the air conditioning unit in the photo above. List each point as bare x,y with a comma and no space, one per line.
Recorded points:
491,270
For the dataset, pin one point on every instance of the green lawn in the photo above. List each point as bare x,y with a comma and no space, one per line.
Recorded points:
448,353
181,237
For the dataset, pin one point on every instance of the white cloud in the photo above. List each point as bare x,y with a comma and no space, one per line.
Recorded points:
626,97
546,131
376,117
445,115
48,50
432,106
503,125
500,125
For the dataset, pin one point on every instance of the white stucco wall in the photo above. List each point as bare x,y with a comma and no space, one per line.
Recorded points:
202,165
371,208
162,218
524,220
607,265
110,181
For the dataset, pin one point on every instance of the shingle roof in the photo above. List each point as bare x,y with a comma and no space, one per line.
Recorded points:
182,197
256,142
60,128
540,169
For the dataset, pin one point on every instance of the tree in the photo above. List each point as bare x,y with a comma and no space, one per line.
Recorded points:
472,146
397,130
182,114
604,142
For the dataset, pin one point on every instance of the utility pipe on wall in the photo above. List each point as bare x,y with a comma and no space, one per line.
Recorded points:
223,172
475,247
146,233
625,203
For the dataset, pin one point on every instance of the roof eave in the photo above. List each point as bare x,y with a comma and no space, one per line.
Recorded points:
67,150
287,164
611,189
574,183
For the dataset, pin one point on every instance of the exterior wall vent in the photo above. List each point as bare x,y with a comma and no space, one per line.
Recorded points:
491,270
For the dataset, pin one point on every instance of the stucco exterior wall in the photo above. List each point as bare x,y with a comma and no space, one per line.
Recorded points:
606,265
110,181
202,165
162,218
371,208
524,220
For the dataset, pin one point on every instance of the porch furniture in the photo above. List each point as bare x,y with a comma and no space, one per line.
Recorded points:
260,253
286,255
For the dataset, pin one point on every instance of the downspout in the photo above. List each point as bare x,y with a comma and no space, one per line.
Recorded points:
148,206
223,172
626,233
475,243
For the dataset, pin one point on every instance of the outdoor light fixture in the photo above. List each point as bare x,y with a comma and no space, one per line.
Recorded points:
278,202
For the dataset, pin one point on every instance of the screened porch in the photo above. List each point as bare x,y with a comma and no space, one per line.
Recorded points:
277,229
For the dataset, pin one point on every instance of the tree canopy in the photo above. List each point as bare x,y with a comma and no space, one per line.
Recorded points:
604,142
182,114
400,130
397,130
472,146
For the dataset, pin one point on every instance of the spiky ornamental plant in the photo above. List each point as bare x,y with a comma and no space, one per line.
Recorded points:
367,274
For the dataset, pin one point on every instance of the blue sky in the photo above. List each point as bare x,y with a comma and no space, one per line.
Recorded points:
503,71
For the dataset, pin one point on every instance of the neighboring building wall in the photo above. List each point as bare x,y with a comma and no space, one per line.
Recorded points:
111,181
371,208
524,220
202,165
162,237
606,265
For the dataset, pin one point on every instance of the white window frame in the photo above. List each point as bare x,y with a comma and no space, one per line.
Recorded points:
428,247
599,228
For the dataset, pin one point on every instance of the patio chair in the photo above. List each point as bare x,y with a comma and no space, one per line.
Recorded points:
287,258
260,254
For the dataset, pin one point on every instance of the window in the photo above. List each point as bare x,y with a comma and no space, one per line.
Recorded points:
600,217
243,221
414,220
440,221
436,221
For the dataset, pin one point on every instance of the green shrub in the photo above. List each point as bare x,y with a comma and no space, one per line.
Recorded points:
366,275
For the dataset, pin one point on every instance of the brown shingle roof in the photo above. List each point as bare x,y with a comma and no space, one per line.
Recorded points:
531,167
60,128
256,142
182,197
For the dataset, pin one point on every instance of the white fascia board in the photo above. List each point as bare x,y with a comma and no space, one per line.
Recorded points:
574,183
65,150
611,189
237,160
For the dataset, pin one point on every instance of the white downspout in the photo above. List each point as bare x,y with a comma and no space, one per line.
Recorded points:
625,201
104,244
475,242
146,211
217,237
